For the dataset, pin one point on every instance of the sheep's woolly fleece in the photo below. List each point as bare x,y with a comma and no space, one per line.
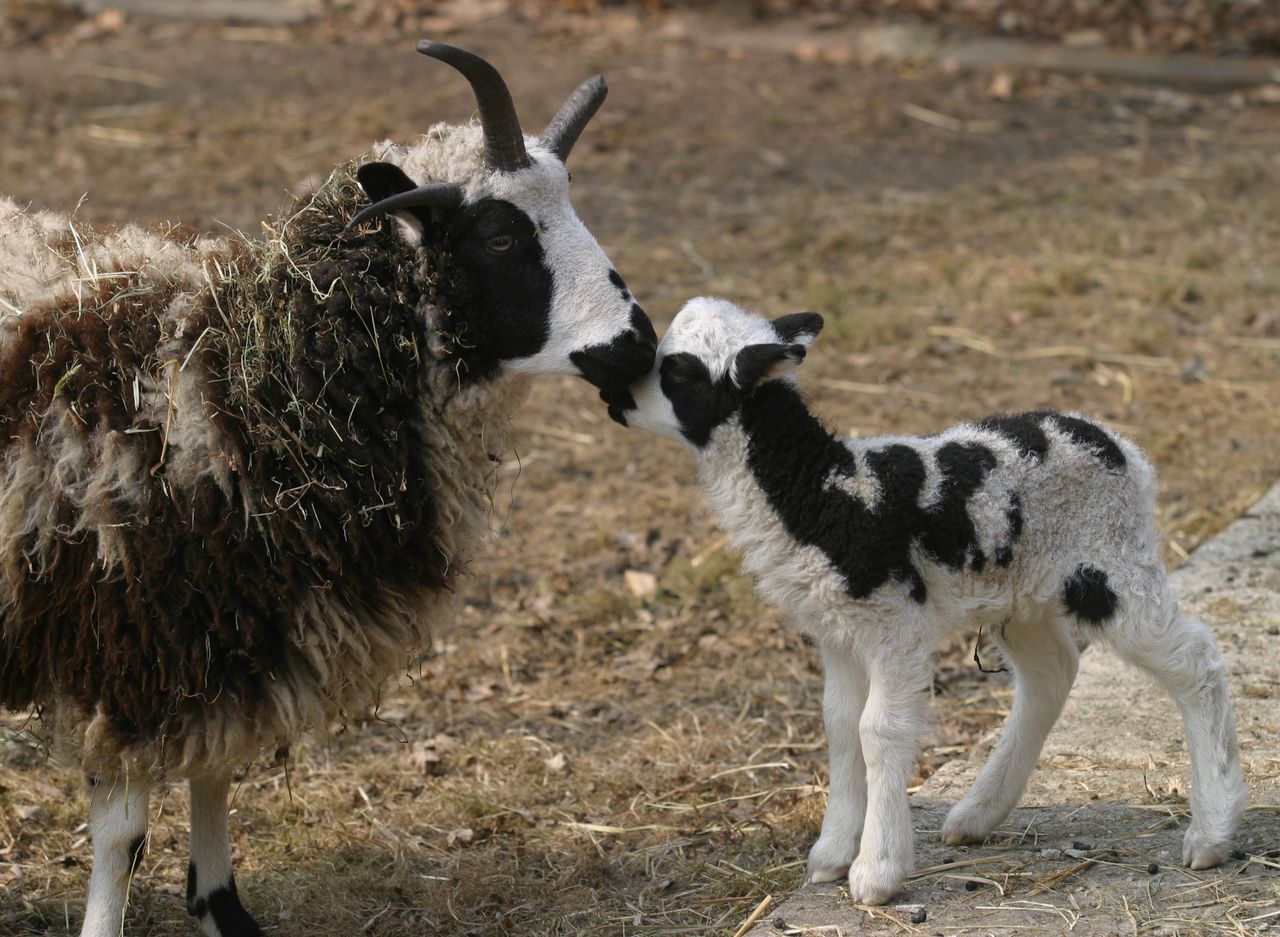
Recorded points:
239,476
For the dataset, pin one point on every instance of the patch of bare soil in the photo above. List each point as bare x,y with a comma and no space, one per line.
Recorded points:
581,757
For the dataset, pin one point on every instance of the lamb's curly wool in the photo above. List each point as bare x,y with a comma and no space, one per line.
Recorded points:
239,477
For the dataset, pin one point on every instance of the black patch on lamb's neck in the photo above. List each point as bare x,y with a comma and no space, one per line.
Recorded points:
1087,594
792,456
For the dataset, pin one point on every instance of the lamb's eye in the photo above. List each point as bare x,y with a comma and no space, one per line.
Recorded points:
500,244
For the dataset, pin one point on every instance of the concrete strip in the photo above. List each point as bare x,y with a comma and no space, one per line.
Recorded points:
920,44
1108,799
258,12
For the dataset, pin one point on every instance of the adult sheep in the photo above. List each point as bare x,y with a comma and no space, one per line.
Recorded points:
240,479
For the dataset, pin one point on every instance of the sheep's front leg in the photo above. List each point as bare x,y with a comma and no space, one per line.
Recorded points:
891,726
118,827
843,697
211,887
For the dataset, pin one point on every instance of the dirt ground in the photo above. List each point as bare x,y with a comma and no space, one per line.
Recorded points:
576,758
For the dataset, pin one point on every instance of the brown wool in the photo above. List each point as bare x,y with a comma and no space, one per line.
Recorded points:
233,498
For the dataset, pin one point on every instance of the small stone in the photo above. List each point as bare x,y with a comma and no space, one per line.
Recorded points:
639,583
1082,846
1153,868
30,813
1050,853
779,924
1239,855
919,917
971,885
1075,853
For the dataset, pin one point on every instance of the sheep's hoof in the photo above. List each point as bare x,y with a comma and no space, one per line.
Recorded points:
1201,853
874,883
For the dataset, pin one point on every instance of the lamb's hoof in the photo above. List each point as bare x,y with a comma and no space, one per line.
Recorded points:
823,876
874,883
830,858
1200,852
963,828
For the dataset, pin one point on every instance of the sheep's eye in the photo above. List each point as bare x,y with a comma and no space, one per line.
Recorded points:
500,244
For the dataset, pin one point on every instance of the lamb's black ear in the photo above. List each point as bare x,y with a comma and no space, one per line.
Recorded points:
756,364
799,327
383,180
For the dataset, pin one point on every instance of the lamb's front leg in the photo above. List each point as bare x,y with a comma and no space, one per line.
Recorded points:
843,696
118,828
211,887
891,726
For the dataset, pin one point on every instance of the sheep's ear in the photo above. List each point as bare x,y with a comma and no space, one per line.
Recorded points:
383,180
799,327
756,364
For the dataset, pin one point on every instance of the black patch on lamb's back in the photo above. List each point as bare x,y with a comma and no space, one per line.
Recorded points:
792,455
1092,437
1087,594
949,535
1023,430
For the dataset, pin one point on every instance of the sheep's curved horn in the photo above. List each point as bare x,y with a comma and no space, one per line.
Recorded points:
562,133
503,141
433,195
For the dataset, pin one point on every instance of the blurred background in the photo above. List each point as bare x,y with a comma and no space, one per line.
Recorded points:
996,206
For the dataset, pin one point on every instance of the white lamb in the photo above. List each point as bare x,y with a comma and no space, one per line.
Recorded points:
1037,526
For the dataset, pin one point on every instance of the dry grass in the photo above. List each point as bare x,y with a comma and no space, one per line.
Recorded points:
575,759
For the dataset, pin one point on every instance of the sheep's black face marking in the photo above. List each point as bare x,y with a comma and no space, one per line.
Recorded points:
500,278
1088,595
614,366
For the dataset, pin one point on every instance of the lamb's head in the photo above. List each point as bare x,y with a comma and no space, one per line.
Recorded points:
490,208
713,357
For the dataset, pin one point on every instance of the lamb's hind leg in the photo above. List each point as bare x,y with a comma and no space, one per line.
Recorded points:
211,887
118,828
843,696
1044,661
1184,658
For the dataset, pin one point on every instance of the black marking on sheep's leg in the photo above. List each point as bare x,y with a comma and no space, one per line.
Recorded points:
137,849
223,905
1094,438
614,366
1088,595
